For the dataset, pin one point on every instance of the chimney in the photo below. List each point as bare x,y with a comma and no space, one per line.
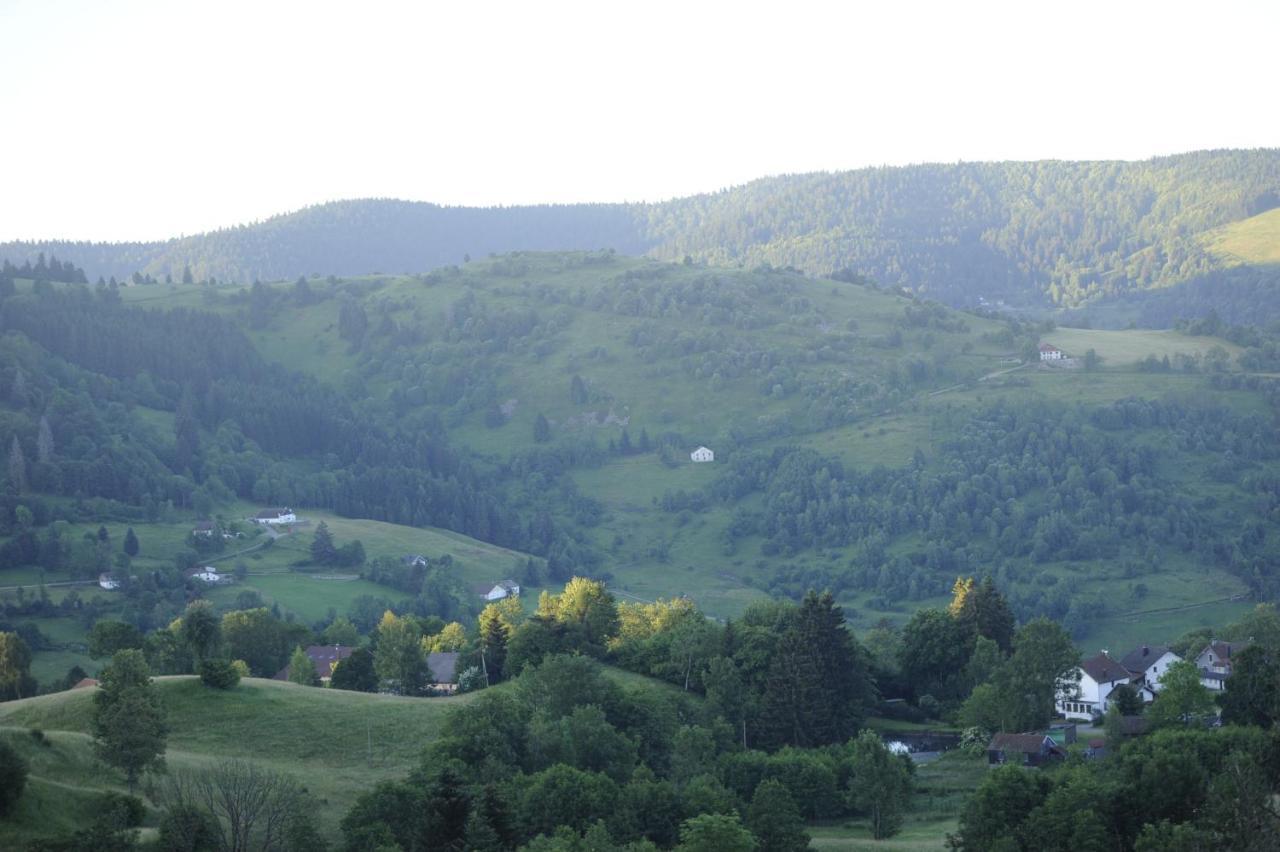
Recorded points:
1145,650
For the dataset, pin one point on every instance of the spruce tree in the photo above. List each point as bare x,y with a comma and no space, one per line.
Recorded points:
44,441
323,551
17,467
541,429
131,546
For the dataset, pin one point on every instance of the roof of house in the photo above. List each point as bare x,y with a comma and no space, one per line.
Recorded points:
203,526
1142,658
1103,669
85,683
1224,650
443,666
324,657
1025,743
272,513
700,449
1049,347
413,559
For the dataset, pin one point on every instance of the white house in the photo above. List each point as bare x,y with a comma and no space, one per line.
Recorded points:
702,454
108,582
273,517
498,591
1049,352
207,575
1214,662
1099,676
1147,664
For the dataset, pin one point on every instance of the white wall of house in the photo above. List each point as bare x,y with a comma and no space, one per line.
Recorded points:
702,454
1158,668
1090,700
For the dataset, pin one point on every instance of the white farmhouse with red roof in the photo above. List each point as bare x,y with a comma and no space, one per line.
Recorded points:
1049,352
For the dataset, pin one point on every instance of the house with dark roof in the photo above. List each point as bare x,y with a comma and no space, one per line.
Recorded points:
1023,750
1099,677
1147,663
324,658
1214,662
203,529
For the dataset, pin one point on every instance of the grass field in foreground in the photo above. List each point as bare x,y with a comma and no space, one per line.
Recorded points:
336,743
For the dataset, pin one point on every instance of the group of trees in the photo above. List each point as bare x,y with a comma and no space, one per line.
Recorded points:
1176,790
565,759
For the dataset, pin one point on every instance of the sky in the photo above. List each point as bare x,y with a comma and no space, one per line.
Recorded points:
148,120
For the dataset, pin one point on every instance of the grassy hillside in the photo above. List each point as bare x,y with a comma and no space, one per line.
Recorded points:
1255,240
338,744
308,596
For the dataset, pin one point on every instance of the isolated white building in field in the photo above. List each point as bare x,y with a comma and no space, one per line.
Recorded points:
1049,352
702,454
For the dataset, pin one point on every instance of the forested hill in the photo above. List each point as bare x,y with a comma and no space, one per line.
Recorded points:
1043,234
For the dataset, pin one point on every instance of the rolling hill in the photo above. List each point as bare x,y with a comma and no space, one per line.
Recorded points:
1040,234
865,441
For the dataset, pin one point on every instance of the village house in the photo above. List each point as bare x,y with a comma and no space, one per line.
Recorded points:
85,683
205,574
106,581
1022,750
324,658
1146,664
702,454
415,560
497,591
1049,352
1214,662
275,517
203,529
1099,676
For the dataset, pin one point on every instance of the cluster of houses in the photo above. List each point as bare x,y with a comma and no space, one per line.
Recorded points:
442,666
1100,676
1142,668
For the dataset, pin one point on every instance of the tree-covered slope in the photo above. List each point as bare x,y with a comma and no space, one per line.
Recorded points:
865,441
1047,234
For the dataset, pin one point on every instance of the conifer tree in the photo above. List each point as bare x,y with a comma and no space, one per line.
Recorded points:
44,441
131,546
17,467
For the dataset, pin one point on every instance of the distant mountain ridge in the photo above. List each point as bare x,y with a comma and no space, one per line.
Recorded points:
1043,234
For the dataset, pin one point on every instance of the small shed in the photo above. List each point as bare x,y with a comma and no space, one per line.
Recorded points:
702,454
1022,750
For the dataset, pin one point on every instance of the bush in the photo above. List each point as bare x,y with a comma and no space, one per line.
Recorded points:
186,828
38,736
219,674
130,808
241,667
13,777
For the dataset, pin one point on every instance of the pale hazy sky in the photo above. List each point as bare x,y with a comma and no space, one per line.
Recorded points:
143,120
